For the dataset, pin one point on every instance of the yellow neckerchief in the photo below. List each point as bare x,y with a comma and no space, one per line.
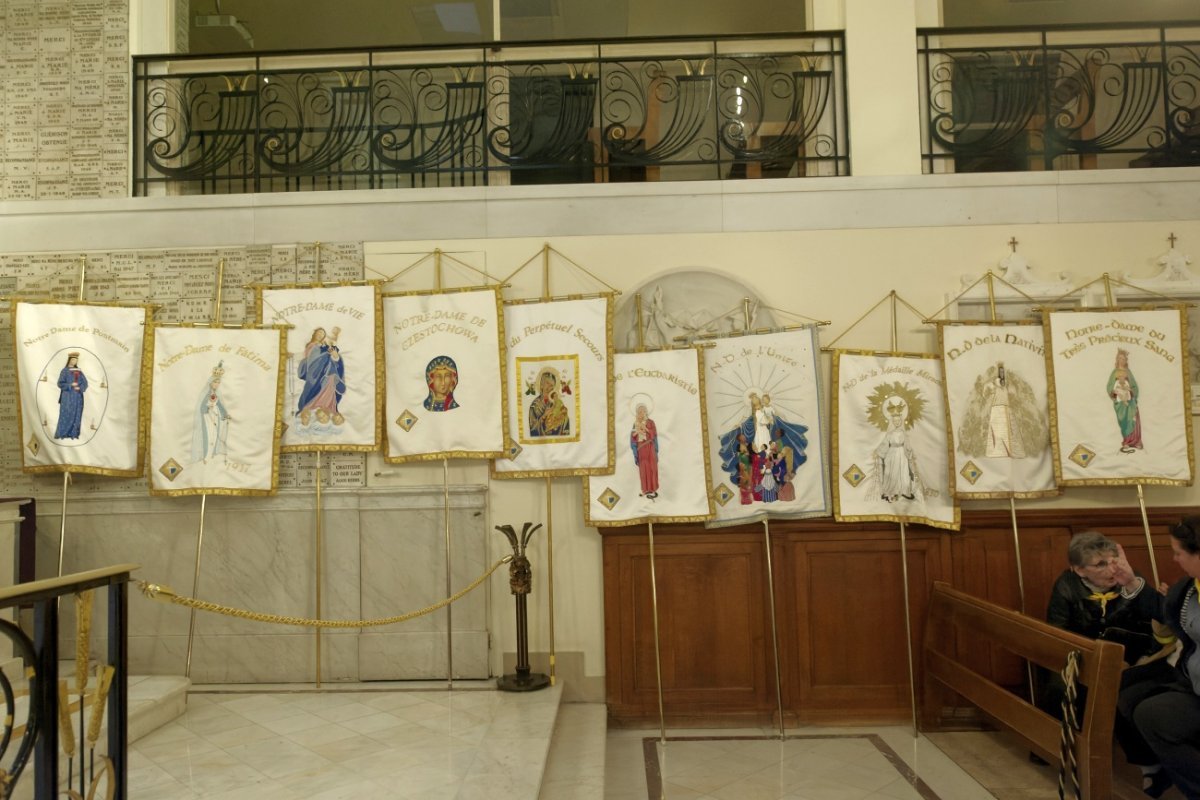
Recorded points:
1098,595
1102,598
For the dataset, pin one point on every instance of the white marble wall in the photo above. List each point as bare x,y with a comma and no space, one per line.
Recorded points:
383,554
10,528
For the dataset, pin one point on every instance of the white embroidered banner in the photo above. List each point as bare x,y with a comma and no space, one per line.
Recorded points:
891,454
80,370
662,452
559,375
1120,397
998,406
445,375
216,396
763,394
332,393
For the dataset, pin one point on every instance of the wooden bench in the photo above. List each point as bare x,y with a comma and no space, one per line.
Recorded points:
954,616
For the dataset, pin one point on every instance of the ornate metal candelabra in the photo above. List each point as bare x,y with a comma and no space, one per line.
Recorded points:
520,581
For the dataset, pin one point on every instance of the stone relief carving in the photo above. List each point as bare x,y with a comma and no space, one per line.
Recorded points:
688,303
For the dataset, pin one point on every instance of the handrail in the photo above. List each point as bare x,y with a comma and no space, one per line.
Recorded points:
50,707
493,46
23,593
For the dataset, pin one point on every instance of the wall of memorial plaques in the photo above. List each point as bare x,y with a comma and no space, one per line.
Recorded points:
64,99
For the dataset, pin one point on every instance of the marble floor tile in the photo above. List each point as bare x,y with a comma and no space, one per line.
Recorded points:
433,744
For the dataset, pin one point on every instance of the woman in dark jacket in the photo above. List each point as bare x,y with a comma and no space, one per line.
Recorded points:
1165,706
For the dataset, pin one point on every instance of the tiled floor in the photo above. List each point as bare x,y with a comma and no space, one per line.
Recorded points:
479,744
380,743
884,763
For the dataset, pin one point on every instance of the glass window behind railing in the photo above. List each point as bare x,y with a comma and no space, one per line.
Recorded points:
977,13
232,26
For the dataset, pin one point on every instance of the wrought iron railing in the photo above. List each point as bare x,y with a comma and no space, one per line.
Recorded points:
43,713
634,110
1065,97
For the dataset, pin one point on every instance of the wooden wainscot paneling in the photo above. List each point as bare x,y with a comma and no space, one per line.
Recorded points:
842,603
840,609
713,630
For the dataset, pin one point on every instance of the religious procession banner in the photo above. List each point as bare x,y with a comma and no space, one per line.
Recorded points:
445,375
80,369
890,451
333,394
559,373
997,403
216,396
1106,368
662,449
763,397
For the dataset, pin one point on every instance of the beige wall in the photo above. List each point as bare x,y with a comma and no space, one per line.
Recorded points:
835,275
829,248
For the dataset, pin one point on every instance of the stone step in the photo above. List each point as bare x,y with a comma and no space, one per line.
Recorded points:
154,700
575,765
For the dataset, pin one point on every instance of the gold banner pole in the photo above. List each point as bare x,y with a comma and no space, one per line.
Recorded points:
1012,503
449,554
1012,510
319,532
187,669
662,720
1146,529
319,548
62,527
550,575
912,679
549,507
774,626
438,285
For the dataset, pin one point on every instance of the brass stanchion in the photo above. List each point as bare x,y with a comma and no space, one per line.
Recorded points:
662,722
912,679
774,627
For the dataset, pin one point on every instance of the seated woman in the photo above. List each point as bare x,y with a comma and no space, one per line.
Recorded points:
1101,597
1164,703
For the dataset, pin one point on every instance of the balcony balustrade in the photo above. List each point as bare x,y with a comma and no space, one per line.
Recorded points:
566,112
1060,98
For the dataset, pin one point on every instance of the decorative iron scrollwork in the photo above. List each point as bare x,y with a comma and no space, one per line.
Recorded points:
482,114
313,125
14,756
193,131
1059,104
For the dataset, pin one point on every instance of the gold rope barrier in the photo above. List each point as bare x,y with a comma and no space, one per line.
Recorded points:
156,592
